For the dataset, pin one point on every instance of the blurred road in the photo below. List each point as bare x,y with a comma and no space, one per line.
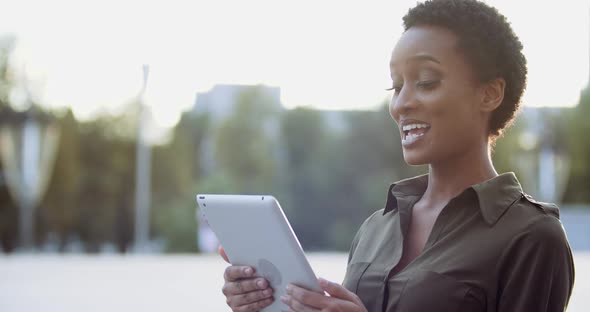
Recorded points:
73,283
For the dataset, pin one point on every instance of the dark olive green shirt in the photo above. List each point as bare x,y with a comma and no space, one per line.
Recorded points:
492,248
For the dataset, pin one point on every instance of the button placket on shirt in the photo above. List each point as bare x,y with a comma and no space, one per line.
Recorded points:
405,217
437,228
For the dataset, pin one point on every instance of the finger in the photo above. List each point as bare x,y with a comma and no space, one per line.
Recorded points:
253,307
249,298
221,252
244,286
297,306
235,272
337,291
308,298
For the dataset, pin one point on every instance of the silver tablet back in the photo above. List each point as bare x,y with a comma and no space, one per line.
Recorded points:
254,231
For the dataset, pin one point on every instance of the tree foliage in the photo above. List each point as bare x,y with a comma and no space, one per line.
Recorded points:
578,126
243,149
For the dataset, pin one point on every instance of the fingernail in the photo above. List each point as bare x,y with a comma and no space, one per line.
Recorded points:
260,284
248,271
323,282
267,292
285,299
289,288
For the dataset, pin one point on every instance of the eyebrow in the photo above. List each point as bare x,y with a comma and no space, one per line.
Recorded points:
421,58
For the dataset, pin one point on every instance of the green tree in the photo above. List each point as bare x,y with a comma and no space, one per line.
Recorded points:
303,139
107,185
503,151
8,209
174,175
61,202
243,148
578,126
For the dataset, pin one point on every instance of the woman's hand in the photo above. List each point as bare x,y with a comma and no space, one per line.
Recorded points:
340,299
243,290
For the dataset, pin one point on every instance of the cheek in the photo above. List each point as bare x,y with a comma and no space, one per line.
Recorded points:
390,106
452,117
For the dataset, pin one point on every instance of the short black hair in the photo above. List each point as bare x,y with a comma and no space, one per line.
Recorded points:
488,42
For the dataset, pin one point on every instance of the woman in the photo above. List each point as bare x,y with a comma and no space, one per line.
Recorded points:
462,237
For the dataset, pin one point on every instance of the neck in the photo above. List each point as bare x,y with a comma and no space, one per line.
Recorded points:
448,178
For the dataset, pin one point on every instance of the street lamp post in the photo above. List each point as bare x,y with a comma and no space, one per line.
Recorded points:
28,145
142,174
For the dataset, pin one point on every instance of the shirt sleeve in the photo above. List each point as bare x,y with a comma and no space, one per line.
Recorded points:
537,273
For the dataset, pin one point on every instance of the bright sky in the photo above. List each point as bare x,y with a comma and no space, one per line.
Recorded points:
325,54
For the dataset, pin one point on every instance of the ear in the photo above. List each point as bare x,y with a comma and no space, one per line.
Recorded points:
492,94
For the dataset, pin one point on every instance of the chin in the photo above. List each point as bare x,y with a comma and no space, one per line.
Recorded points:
415,159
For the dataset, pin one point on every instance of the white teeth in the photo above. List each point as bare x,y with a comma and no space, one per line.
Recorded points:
412,136
414,126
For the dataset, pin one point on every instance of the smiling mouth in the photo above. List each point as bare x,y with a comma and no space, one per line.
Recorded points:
413,132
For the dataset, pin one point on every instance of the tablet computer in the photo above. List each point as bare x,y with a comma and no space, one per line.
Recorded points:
254,231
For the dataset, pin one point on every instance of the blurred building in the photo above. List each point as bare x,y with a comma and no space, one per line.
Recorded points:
220,101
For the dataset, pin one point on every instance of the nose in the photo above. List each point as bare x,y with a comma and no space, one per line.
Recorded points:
402,102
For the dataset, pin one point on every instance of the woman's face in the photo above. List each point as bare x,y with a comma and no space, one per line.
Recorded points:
435,98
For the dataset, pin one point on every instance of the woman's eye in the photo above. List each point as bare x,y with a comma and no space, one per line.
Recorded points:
427,84
395,89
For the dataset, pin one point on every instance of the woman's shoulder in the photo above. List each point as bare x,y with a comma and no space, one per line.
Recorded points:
537,221
546,208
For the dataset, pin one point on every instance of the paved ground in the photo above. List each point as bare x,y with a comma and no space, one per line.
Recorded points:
52,283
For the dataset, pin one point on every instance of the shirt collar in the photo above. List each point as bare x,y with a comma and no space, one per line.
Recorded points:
415,186
494,196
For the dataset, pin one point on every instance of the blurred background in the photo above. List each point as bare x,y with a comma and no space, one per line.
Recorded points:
115,114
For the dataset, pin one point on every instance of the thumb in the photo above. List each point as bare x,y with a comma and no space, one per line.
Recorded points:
221,252
337,291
